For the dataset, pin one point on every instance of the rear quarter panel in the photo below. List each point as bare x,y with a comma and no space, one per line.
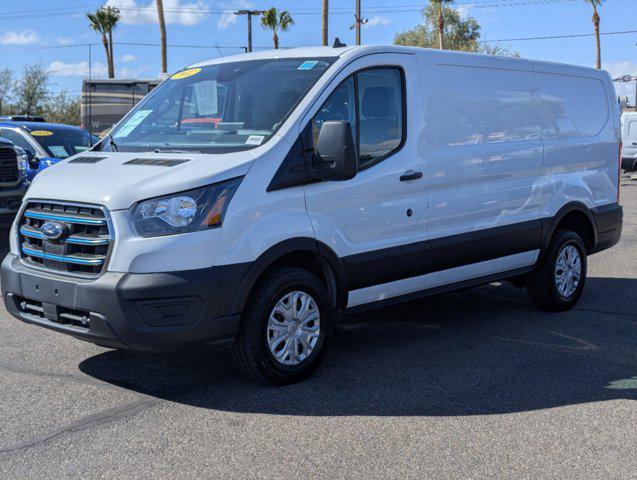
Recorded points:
581,136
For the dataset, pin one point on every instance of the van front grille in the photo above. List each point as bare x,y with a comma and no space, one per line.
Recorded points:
83,242
8,166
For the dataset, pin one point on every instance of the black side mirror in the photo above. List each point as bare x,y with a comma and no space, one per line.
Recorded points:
336,150
34,161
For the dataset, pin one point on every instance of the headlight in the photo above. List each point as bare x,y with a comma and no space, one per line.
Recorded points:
23,162
23,159
184,212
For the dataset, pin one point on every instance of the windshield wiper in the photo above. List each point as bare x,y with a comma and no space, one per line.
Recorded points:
174,150
111,143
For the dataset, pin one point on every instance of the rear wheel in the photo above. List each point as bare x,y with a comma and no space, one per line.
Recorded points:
558,282
285,328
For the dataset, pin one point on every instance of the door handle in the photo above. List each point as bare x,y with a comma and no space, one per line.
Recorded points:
634,143
410,175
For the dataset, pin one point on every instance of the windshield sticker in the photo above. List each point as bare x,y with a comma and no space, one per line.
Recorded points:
308,65
130,125
41,133
186,73
58,151
255,140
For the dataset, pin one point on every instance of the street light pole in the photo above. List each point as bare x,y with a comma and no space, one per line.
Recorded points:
248,14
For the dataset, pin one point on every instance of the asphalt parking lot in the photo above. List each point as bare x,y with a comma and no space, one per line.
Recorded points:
472,384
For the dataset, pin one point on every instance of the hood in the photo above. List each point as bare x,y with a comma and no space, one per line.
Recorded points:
118,180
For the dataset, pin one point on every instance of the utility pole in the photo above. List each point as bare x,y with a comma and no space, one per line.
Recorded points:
359,20
326,9
249,14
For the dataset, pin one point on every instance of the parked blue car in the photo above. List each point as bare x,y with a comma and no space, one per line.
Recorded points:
46,143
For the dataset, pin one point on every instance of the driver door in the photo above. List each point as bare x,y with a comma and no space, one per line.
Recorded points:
371,220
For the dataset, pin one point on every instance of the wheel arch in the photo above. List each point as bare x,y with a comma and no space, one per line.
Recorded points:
574,216
301,252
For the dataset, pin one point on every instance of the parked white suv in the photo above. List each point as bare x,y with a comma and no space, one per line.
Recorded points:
249,200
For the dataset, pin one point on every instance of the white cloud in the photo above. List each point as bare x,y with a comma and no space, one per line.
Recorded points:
463,10
619,69
59,68
229,18
24,37
128,58
64,41
178,12
377,20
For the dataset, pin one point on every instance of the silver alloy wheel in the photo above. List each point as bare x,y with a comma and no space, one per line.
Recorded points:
294,326
568,270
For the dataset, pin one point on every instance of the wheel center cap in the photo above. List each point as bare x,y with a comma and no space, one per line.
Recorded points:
293,328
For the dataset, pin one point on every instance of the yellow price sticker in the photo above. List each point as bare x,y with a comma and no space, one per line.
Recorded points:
41,133
186,73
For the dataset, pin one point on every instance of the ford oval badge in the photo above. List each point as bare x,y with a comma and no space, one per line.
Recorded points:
52,230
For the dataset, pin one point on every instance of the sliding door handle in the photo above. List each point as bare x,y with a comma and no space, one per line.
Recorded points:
410,175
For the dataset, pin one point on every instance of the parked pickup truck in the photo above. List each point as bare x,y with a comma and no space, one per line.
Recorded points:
45,143
13,182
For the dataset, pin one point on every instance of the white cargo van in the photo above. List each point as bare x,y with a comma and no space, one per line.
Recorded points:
629,137
249,200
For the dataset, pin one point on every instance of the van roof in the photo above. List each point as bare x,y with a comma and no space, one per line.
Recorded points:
356,51
303,52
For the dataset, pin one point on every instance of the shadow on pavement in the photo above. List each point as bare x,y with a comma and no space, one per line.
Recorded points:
483,351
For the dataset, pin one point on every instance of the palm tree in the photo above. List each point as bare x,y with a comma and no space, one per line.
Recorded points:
326,7
162,30
112,16
104,21
441,20
596,21
276,20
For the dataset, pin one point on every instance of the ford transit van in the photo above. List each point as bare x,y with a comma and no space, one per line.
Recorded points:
249,201
629,137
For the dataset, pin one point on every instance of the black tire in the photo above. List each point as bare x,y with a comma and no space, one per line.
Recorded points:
542,286
250,350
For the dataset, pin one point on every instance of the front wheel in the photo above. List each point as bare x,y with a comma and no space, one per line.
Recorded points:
285,328
559,280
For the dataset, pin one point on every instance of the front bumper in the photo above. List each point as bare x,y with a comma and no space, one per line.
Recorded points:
151,311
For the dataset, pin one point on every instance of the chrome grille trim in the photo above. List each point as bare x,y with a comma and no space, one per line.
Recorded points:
39,215
76,259
75,239
84,252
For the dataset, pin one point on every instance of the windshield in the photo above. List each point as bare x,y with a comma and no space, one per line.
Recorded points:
219,108
63,143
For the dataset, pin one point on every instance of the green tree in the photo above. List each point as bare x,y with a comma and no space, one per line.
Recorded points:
276,21
62,108
6,88
596,21
32,89
104,21
459,33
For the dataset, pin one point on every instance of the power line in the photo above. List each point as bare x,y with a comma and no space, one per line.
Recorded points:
405,8
557,37
242,47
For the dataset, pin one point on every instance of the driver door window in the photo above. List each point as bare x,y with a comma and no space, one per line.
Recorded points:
372,102
340,106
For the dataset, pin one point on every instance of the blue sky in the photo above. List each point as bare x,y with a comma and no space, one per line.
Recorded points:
42,30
